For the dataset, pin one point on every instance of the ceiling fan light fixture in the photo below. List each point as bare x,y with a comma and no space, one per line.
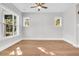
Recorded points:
39,6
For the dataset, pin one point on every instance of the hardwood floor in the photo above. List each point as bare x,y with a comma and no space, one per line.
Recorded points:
41,48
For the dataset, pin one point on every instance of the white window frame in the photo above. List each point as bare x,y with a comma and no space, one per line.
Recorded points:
17,21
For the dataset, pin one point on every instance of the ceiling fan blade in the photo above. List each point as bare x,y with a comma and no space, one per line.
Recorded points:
33,6
44,7
37,4
42,3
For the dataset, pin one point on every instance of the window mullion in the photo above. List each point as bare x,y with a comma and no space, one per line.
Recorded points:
13,23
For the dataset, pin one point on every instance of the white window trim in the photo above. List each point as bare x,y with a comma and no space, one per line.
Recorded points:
17,25
14,14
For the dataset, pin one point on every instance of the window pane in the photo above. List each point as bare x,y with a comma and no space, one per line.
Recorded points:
15,25
8,25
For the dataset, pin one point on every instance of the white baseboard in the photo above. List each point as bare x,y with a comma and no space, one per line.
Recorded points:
73,44
8,45
42,39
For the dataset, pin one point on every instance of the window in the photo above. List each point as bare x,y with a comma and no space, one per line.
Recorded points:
58,21
10,24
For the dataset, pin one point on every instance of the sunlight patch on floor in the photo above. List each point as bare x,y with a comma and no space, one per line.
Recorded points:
12,53
17,51
51,53
44,51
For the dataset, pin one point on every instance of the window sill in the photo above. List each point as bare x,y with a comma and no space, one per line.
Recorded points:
9,37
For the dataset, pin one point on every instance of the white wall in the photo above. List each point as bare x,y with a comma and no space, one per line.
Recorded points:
5,43
77,25
0,23
69,25
42,26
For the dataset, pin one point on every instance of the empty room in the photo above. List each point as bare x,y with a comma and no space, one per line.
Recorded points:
39,29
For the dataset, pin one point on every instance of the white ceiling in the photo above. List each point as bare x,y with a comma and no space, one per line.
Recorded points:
52,7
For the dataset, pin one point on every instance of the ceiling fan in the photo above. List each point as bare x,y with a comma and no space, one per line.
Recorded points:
39,6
